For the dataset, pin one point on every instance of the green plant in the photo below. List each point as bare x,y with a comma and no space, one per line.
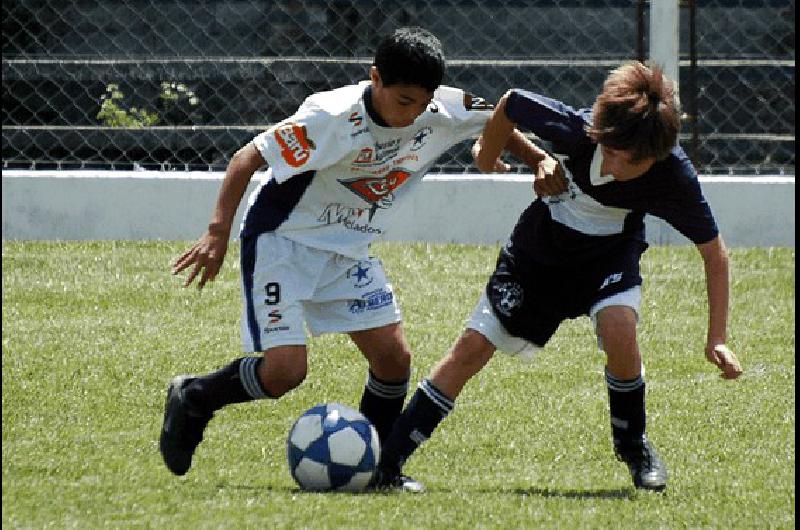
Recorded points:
114,114
174,92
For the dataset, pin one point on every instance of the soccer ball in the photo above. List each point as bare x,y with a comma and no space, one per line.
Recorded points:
332,447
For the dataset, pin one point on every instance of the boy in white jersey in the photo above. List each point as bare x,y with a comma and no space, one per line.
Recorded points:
337,169
577,253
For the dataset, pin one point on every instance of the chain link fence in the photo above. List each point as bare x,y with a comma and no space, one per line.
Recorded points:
180,84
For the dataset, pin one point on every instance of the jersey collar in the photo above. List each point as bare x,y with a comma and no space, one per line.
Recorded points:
373,114
594,170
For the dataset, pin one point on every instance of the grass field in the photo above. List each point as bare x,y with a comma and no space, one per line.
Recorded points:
92,332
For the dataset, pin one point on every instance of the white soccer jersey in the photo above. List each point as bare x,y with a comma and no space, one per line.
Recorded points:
335,176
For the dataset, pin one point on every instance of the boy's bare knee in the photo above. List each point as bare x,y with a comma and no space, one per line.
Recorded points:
283,369
617,325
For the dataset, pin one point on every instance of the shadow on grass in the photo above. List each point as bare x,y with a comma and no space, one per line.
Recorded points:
257,487
294,490
611,494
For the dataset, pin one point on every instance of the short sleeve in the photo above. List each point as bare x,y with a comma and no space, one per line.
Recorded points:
468,113
548,119
685,208
305,141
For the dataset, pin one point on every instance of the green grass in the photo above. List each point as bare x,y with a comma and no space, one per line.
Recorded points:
92,332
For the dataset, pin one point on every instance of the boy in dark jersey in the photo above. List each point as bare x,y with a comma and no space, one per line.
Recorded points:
577,252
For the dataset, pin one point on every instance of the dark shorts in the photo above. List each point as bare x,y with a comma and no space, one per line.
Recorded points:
532,299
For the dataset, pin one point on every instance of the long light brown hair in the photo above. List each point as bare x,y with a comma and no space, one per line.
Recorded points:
637,111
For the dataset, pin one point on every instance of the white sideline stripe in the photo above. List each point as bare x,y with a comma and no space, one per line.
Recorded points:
438,177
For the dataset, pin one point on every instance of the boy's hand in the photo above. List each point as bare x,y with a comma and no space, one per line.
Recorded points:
725,360
549,179
207,256
500,166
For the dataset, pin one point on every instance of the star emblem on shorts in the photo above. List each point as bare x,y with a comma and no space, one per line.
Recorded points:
361,272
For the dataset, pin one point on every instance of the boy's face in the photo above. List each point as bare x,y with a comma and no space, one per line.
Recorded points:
398,105
617,162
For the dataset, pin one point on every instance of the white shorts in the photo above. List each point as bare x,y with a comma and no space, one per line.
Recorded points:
484,321
287,286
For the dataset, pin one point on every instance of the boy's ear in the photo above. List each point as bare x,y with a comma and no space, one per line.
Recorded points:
374,75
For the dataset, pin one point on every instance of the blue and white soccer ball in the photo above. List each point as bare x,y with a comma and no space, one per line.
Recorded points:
333,447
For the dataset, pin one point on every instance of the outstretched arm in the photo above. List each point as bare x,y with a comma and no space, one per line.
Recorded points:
499,134
715,261
208,253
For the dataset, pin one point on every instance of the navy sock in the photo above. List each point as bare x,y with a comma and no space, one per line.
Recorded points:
626,402
427,408
235,383
382,403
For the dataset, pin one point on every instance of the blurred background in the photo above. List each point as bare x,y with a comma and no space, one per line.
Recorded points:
181,85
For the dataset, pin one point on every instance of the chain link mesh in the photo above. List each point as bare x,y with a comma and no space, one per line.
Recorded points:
179,84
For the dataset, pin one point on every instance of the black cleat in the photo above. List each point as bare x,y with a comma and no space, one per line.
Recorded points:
183,427
388,481
647,469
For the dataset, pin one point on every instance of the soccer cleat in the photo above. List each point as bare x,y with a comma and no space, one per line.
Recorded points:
647,469
388,481
183,427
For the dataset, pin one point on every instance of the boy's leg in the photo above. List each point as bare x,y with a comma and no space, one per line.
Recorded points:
357,298
192,400
616,330
277,275
433,400
389,358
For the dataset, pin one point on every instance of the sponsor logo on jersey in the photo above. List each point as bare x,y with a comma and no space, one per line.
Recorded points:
377,190
386,150
360,273
335,213
347,216
356,119
275,316
295,144
371,301
364,156
420,138
473,102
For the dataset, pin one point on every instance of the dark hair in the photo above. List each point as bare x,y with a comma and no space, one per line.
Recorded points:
411,56
637,110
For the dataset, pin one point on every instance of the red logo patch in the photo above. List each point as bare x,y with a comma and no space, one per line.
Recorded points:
374,189
295,144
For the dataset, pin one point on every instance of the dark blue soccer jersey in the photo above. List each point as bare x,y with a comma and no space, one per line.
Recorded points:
598,214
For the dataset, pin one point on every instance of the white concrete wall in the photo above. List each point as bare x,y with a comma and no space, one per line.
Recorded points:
756,211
